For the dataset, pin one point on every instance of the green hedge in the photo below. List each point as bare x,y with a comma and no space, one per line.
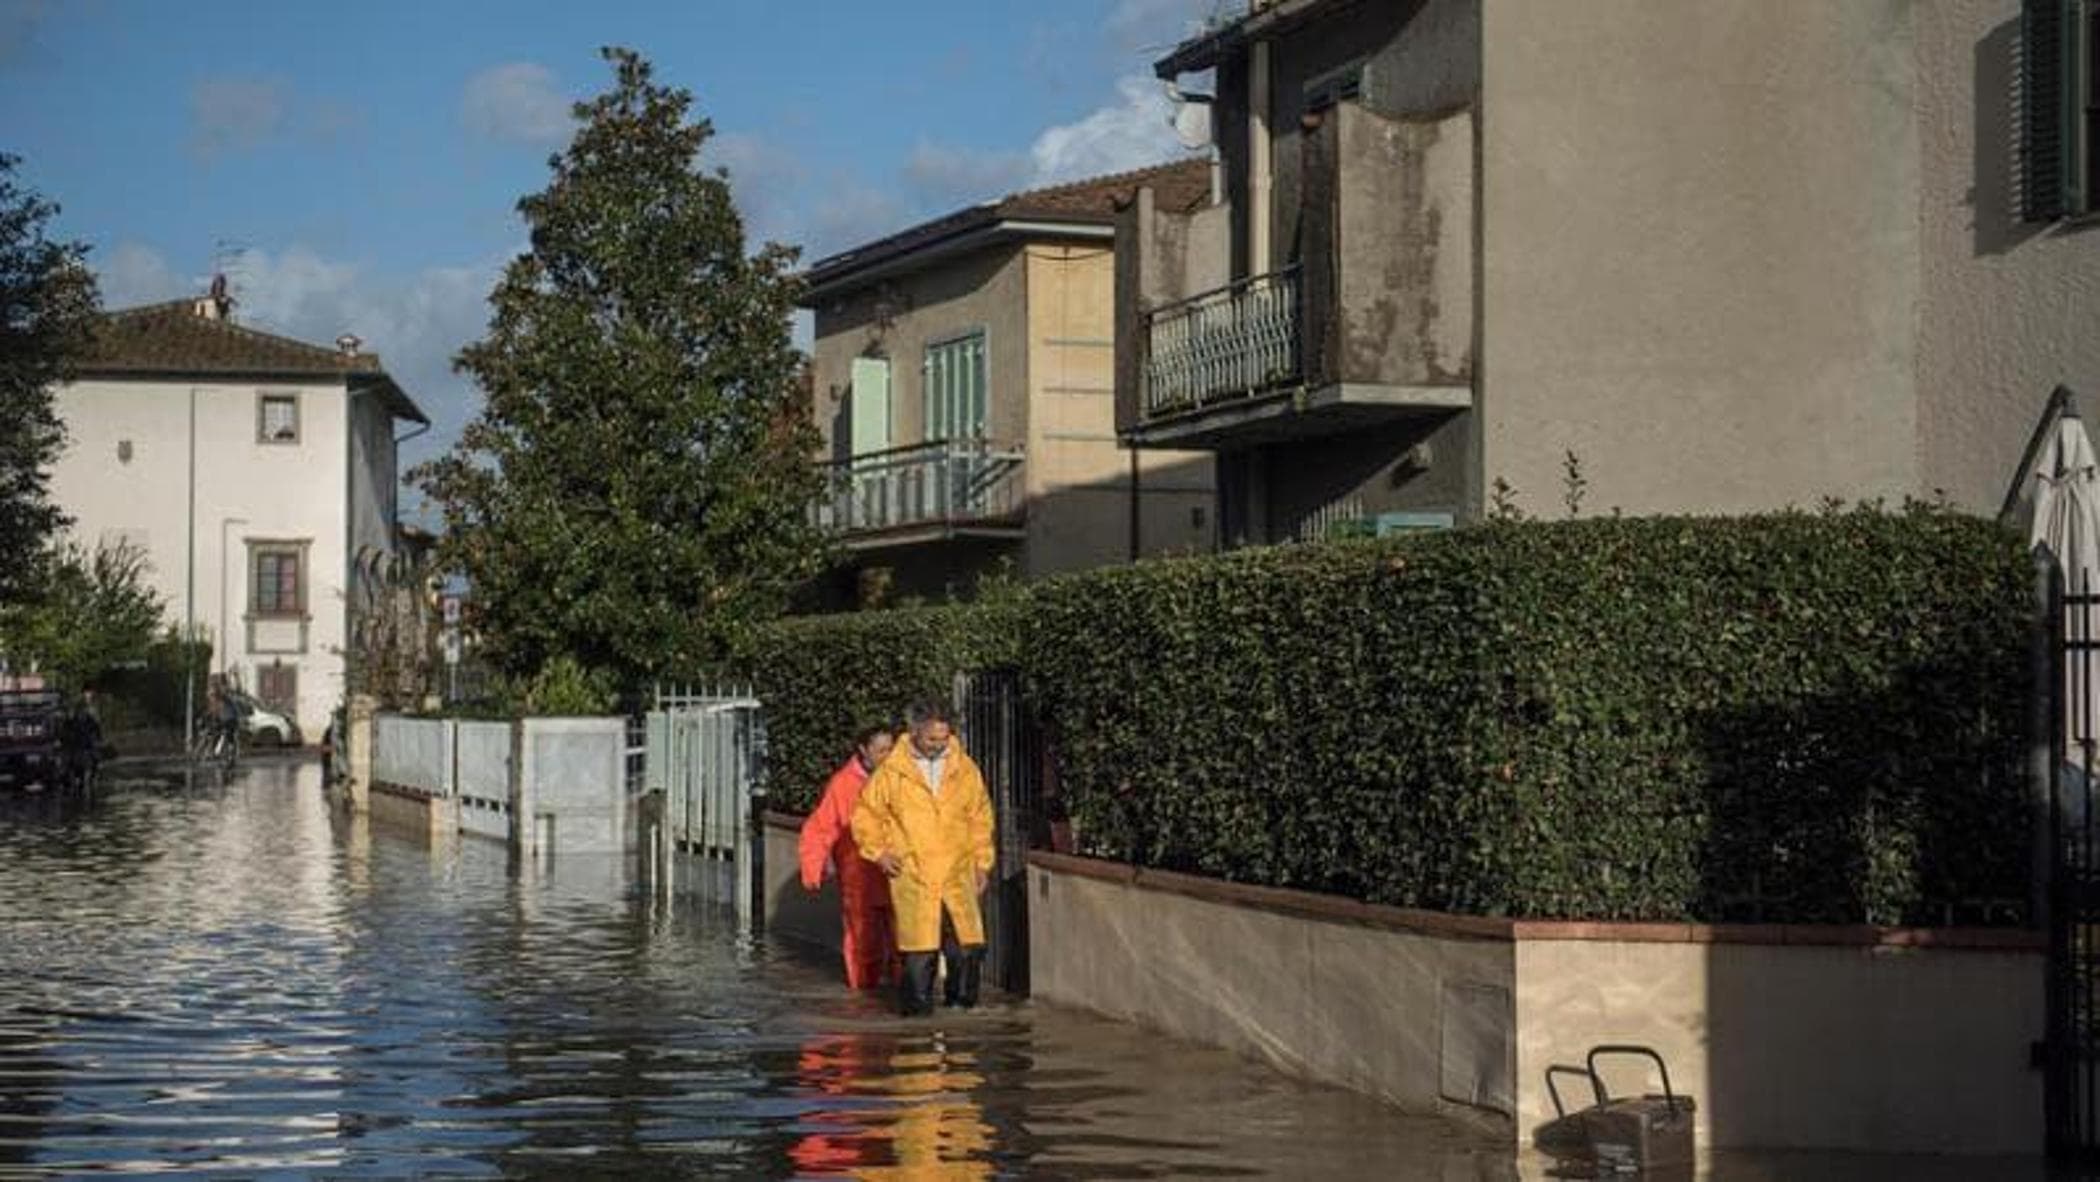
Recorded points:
1784,718
823,678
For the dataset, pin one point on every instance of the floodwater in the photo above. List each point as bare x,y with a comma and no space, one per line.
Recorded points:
221,977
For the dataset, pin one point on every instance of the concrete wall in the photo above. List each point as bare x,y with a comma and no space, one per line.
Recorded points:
791,912
1887,1049
2008,309
575,776
1421,1021
1078,477
245,490
1786,1037
1700,251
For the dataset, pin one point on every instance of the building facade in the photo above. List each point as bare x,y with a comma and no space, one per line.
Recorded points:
1722,257
963,382
256,475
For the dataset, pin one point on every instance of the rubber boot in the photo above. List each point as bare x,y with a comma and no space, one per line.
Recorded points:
915,983
965,974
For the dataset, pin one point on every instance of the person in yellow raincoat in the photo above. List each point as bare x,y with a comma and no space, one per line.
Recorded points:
926,820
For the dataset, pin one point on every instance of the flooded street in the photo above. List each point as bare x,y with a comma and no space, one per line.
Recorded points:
225,979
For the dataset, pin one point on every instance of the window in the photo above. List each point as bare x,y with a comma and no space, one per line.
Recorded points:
955,388
279,579
277,418
2060,110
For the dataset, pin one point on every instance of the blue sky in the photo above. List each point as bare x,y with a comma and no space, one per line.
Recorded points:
354,167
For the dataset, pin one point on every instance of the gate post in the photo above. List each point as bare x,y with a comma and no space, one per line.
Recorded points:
2042,758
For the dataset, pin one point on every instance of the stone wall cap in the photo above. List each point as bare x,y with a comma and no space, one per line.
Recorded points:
1336,909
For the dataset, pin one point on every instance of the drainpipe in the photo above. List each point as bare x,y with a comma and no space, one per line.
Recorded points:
1258,152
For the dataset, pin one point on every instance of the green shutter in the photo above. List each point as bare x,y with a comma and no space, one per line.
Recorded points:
2049,113
871,405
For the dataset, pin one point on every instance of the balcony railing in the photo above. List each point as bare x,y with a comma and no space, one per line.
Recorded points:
1235,342
950,482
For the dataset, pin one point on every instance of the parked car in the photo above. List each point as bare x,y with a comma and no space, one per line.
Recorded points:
262,726
43,743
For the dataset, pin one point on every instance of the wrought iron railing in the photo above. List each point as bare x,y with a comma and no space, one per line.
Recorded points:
950,481
1235,342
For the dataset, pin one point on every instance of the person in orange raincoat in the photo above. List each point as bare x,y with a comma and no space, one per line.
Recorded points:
926,820
870,943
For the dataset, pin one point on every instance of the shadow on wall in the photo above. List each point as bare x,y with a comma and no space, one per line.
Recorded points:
1996,186
1860,808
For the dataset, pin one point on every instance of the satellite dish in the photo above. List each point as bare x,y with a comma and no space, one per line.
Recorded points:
1192,119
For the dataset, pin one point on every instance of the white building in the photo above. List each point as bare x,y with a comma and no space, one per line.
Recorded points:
252,470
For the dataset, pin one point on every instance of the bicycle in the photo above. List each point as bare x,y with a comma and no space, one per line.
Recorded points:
216,742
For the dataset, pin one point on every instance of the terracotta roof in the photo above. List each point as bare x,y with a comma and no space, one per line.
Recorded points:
174,339
1178,186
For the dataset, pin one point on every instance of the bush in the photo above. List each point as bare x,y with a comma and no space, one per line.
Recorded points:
1786,718
823,678
1782,718
149,694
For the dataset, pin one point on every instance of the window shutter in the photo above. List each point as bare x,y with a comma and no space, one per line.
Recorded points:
2048,105
871,405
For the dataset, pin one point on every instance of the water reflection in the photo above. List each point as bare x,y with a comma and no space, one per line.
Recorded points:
210,974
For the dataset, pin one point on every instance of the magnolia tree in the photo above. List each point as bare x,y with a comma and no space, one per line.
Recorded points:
634,494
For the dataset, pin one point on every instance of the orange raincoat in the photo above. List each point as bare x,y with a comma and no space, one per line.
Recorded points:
942,838
864,894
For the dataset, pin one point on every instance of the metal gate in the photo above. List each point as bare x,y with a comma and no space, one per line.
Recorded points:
701,777
1001,736
2072,1053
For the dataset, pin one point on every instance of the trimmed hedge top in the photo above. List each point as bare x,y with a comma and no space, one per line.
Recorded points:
1782,718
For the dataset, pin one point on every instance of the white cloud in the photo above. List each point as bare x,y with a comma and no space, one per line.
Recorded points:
1130,133
763,176
237,114
416,323
518,103
952,176
133,274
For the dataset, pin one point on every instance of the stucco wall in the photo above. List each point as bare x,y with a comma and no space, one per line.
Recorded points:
1421,1021
1889,1049
1078,477
2009,310
1700,251
984,290
244,490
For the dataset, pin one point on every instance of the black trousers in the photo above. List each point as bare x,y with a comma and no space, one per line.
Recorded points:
965,973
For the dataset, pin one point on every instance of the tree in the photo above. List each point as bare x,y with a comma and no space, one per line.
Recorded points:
635,491
48,307
88,614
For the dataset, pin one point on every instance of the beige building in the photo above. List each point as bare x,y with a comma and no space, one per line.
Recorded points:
1733,256
964,380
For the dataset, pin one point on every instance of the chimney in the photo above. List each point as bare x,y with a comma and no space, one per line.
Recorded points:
217,305
348,344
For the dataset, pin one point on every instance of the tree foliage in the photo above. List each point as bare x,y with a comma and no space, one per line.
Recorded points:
89,613
634,494
48,306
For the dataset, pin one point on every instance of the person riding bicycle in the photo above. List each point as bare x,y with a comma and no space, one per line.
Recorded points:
223,712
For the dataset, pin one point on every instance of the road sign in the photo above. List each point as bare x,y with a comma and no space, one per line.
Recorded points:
451,643
451,609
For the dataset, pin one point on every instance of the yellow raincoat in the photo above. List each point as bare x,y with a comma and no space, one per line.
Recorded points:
941,838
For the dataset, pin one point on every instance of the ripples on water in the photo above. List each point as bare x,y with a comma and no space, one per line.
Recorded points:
222,977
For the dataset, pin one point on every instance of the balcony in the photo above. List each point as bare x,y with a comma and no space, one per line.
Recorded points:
925,492
1370,320
1235,342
